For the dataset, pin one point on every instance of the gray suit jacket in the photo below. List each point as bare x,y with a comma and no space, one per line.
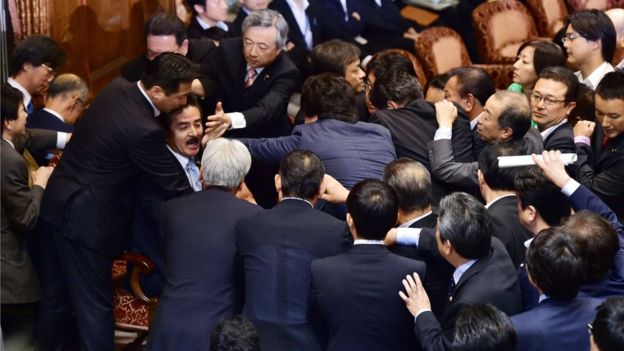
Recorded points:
20,210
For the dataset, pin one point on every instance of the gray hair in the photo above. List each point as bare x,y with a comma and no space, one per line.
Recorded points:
411,182
67,83
268,18
225,163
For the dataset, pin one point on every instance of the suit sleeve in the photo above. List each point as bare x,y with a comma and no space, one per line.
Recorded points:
430,335
36,140
150,154
272,150
609,182
21,203
445,169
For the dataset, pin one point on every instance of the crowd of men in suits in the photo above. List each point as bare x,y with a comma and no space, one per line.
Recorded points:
370,218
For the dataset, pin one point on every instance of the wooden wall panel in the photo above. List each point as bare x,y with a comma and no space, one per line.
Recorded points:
100,36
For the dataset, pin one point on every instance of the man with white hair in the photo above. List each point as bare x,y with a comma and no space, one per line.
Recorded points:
616,15
199,231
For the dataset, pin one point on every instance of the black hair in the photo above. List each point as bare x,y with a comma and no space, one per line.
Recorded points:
328,96
608,326
555,263
165,24
473,80
301,172
546,54
166,119
396,86
516,114
534,189
465,222
36,50
565,76
438,82
411,183
373,206
483,327
168,71
333,56
595,25
12,99
495,177
235,334
383,63
611,86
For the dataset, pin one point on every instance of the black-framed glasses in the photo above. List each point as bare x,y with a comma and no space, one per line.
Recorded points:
570,37
50,70
548,101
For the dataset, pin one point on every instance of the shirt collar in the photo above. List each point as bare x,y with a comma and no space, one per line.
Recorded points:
156,110
620,65
368,242
18,86
543,297
9,141
498,198
299,199
414,220
183,160
474,122
551,129
459,271
596,76
55,114
294,5
205,25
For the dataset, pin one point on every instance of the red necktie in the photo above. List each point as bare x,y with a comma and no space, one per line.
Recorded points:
251,76
605,141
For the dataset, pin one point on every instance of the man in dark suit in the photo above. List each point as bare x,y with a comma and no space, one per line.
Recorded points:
498,191
557,269
303,30
507,117
601,172
209,20
354,293
552,99
483,272
384,25
202,276
277,247
68,96
87,208
247,7
166,33
20,210
411,182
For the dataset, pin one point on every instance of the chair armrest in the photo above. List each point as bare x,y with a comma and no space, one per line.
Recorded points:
140,265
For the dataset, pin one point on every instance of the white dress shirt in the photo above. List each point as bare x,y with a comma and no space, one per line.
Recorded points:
596,76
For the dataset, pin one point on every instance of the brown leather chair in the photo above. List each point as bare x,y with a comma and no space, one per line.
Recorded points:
133,310
441,49
578,5
549,16
500,29
420,73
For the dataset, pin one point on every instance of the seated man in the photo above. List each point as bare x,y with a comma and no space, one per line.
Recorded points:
557,270
606,332
200,236
209,20
276,248
600,167
506,117
552,100
590,43
184,132
483,272
67,97
354,293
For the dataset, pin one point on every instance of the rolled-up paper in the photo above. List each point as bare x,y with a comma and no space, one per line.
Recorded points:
527,160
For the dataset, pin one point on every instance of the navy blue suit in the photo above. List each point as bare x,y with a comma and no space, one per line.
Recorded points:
201,273
43,119
350,151
276,248
561,139
556,325
356,296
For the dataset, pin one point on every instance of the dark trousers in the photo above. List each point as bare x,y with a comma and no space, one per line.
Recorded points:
74,278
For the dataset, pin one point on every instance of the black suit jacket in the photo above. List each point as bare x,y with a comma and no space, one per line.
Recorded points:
491,279
202,270
276,247
237,24
356,295
300,54
196,31
561,139
507,228
118,143
412,127
603,173
333,24
43,119
264,103
385,18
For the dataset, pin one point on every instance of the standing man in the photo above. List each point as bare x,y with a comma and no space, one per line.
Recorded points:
87,208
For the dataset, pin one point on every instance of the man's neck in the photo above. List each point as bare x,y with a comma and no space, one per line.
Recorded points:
57,106
312,200
456,260
405,217
23,81
207,21
475,112
490,195
7,136
591,65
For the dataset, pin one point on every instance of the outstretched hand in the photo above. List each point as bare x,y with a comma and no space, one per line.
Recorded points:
217,124
415,296
446,113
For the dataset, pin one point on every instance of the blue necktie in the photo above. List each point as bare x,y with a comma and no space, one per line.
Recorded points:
193,174
30,108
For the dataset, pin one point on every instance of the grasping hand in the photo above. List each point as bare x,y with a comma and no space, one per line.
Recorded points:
334,191
553,167
584,128
446,113
415,296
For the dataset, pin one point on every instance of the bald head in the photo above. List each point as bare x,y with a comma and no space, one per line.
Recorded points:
411,182
68,95
617,17
515,112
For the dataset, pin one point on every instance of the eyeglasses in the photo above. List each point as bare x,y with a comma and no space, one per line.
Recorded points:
548,101
50,70
570,37
590,328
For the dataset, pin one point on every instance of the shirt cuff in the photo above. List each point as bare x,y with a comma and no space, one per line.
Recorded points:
421,312
238,120
569,188
582,139
408,236
61,139
443,133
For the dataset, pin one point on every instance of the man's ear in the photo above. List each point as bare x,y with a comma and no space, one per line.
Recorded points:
447,247
570,107
470,102
156,93
506,133
310,119
480,178
351,225
322,187
530,212
392,105
199,8
278,183
183,50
